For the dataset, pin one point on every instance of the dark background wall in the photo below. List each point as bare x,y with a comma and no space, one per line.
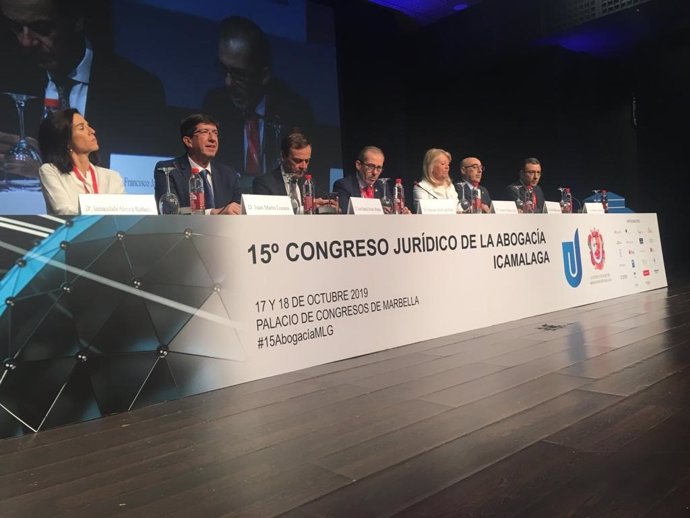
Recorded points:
492,82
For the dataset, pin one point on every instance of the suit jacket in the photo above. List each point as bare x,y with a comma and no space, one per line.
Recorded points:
348,187
270,183
517,189
124,104
225,180
486,198
285,112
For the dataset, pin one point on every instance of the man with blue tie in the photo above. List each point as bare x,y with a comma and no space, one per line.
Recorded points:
200,137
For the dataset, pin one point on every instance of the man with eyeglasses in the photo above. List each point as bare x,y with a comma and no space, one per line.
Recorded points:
471,169
530,174
256,108
66,71
200,138
362,184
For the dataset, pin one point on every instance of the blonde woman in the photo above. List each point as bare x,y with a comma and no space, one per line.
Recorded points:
436,182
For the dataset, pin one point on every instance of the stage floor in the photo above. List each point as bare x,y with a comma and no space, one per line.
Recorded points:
582,412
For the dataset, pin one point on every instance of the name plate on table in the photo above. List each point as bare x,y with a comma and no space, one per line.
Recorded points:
593,208
114,204
504,207
266,205
366,206
431,206
552,207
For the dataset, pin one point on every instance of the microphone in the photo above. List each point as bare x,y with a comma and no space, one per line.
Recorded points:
416,184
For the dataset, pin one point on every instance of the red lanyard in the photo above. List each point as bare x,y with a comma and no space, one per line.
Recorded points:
83,180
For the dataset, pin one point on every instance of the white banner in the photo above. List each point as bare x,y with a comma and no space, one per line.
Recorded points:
302,292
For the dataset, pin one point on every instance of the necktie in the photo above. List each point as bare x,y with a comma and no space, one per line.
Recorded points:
64,88
208,191
252,159
368,192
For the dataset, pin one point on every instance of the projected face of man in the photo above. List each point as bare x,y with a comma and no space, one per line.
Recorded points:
245,79
50,38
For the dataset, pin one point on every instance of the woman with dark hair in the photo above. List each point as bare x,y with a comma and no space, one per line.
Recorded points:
66,142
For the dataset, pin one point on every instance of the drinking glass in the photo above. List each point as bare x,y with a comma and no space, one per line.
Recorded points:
169,202
464,204
386,200
22,160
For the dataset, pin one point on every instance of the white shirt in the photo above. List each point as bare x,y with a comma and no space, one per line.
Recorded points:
286,181
61,191
80,90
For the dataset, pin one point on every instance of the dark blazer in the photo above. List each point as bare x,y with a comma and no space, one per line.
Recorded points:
226,183
348,187
516,189
124,105
270,183
486,198
286,111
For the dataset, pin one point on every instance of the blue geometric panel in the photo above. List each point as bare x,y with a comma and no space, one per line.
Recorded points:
93,317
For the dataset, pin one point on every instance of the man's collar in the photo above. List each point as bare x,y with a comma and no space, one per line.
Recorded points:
82,72
194,165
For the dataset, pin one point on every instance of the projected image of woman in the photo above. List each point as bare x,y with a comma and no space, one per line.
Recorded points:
67,143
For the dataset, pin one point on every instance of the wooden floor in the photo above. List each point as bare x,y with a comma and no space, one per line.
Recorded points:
583,412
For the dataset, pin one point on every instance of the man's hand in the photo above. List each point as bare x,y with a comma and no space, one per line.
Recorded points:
232,209
325,202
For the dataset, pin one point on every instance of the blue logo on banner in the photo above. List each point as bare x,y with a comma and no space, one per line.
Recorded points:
572,262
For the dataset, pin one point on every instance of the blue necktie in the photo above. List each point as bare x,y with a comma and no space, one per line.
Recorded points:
208,192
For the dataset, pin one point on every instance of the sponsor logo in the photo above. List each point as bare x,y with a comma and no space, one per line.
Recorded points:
632,262
642,241
595,242
646,273
572,261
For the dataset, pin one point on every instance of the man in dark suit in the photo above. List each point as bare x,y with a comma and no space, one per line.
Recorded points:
121,101
288,178
362,184
222,188
530,174
471,169
255,108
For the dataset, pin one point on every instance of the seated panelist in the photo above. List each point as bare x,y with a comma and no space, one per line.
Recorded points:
67,143
201,139
530,174
436,183
472,171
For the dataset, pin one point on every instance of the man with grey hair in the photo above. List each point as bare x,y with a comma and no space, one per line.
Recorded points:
530,174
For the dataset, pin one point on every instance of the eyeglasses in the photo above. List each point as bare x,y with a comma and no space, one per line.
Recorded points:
206,132
372,167
473,167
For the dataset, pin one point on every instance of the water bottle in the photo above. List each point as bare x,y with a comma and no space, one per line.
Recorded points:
308,195
398,197
605,200
528,206
196,193
476,200
566,201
